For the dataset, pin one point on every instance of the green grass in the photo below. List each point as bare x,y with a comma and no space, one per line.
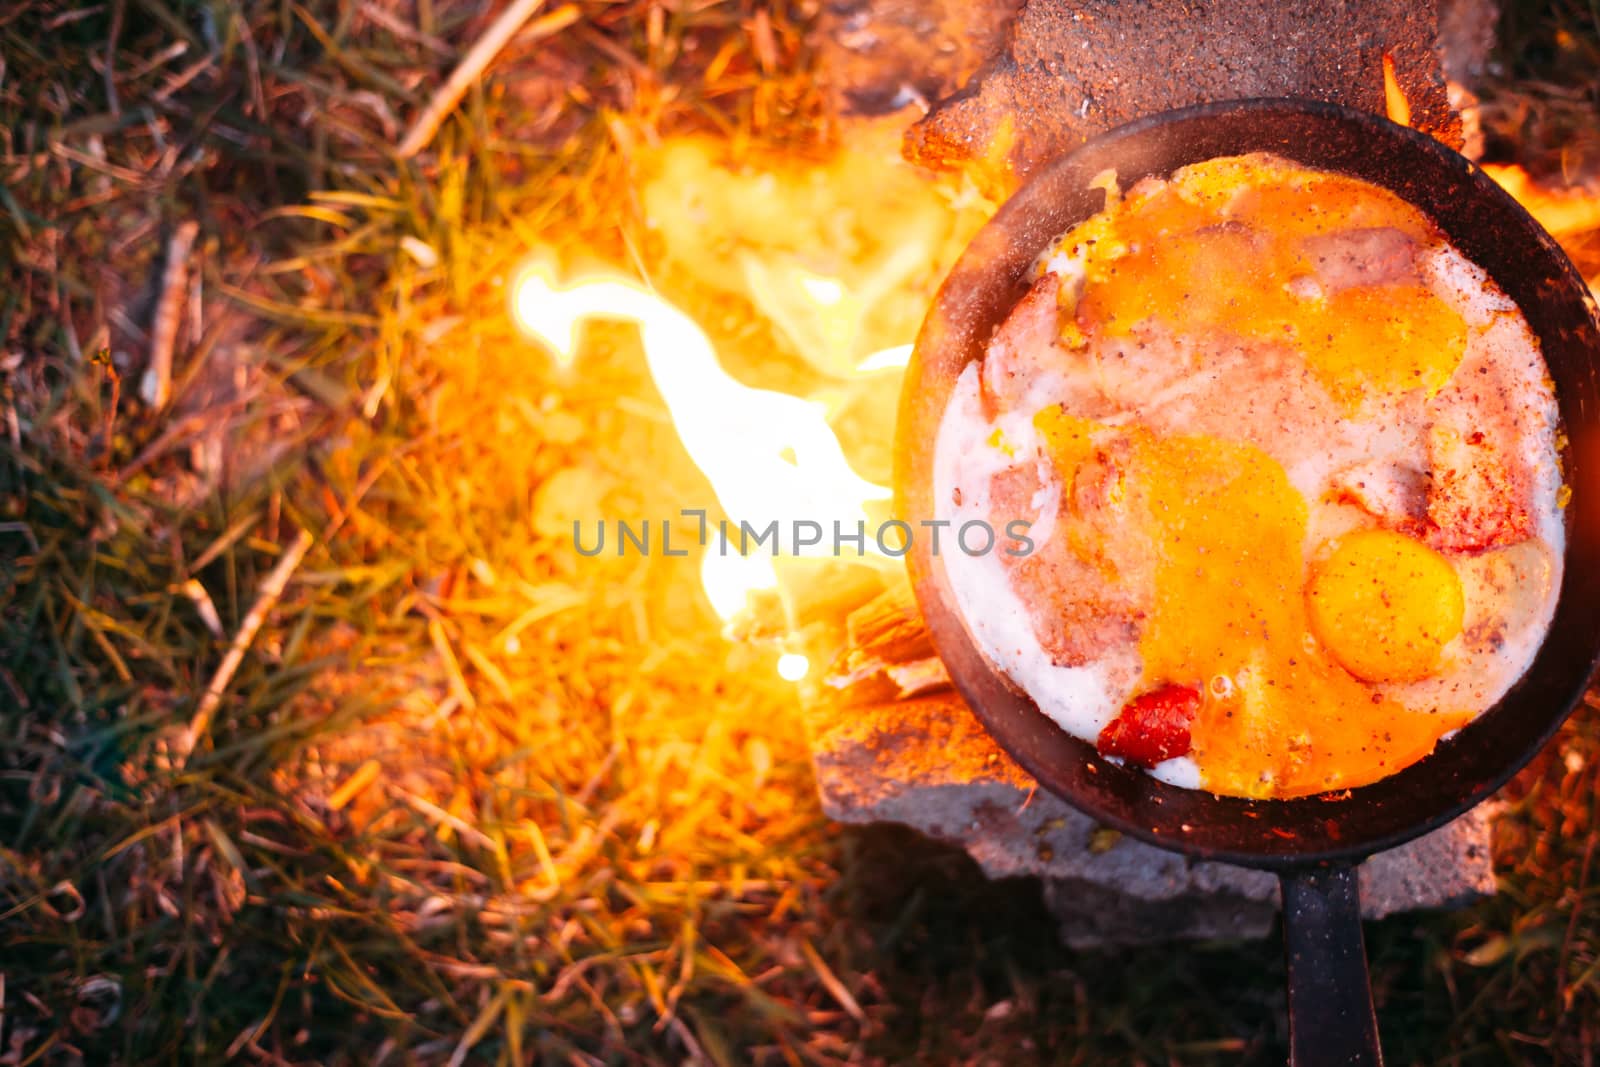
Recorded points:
588,832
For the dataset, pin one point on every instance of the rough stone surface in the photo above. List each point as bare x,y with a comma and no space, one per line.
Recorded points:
927,763
1012,83
1071,70
879,56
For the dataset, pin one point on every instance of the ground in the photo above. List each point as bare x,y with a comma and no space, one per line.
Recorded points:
466,798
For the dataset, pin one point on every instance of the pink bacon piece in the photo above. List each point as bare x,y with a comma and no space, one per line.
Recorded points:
1374,255
1480,449
1087,594
1023,351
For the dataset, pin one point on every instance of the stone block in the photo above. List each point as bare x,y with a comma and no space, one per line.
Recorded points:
927,763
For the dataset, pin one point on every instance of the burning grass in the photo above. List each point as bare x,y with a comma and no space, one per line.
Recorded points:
466,797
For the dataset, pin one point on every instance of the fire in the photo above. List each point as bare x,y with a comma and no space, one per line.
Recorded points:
1394,99
792,667
840,256
769,456
888,358
728,577
1562,211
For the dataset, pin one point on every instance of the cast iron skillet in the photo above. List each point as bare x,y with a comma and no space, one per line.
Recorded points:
1313,843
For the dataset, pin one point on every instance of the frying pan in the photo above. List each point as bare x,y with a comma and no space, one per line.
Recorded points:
1313,843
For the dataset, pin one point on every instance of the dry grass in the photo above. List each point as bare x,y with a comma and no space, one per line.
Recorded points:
469,798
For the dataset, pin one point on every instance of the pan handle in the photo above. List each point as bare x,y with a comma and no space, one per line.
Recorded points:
1331,1022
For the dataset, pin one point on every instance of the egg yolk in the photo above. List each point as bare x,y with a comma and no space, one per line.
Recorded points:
1385,605
1227,612
1201,254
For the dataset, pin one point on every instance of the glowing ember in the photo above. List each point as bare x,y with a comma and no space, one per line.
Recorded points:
769,456
792,667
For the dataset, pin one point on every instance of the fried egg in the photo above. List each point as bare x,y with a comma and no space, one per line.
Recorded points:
1290,464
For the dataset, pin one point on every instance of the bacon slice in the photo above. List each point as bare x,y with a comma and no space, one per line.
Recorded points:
1376,255
1087,587
1480,447
1478,499
1023,356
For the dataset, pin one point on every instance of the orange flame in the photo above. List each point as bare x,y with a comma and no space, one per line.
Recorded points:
1394,98
1564,211
768,455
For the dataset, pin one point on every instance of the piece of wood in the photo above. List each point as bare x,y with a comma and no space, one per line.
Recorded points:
825,589
883,652
889,628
